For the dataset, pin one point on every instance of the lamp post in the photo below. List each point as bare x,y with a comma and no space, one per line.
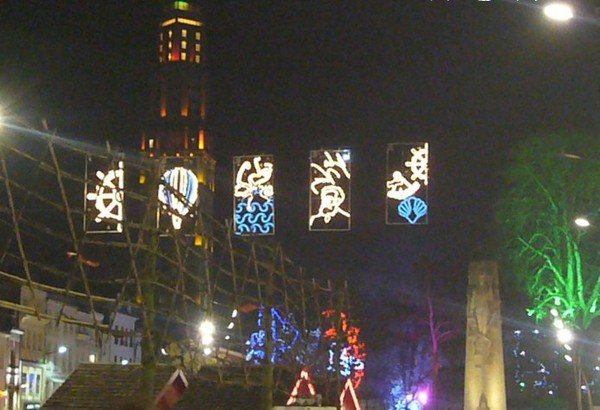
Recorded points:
61,350
12,381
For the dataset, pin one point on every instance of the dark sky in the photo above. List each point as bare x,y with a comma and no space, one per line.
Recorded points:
471,77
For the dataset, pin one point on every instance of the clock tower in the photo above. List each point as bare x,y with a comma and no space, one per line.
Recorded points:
176,125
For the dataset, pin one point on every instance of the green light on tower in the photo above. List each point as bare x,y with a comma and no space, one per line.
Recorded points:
181,5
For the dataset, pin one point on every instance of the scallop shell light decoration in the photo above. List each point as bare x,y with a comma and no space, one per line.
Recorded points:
412,209
178,193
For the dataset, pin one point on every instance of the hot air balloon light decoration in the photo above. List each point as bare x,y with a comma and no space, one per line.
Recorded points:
178,193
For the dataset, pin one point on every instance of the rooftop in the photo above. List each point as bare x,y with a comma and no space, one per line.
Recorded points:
95,386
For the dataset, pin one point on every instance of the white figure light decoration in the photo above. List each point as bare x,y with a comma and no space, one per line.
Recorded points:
400,187
325,185
409,183
108,196
254,211
254,179
178,193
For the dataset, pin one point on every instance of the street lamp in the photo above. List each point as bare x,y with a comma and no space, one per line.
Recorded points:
560,12
564,336
12,381
582,222
207,332
50,367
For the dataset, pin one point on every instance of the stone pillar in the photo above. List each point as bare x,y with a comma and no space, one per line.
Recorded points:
485,387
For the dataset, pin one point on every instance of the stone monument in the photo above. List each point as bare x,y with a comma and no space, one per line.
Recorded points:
485,387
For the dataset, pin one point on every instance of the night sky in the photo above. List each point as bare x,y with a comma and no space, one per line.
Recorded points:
470,77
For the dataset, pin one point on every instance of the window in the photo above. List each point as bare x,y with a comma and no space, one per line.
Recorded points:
189,22
198,35
115,359
170,33
183,56
169,57
161,36
197,47
183,44
170,44
197,59
184,33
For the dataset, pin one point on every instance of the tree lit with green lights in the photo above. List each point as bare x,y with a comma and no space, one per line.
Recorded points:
549,183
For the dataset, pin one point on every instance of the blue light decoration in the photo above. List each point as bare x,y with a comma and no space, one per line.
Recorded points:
537,368
412,209
348,363
178,194
255,218
406,183
285,337
253,193
329,193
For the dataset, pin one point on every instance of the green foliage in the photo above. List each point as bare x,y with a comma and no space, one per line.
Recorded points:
548,183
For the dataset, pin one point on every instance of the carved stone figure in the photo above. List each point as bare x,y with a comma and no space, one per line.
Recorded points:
484,363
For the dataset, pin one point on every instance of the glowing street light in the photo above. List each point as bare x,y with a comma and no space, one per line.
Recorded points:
557,11
62,349
207,332
582,222
564,336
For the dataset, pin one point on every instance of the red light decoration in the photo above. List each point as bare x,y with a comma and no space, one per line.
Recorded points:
304,391
354,353
348,398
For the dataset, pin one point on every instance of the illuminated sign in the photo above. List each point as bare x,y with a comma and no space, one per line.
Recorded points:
178,194
103,205
329,201
406,184
253,202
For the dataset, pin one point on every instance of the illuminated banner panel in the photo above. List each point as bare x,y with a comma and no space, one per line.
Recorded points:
104,195
178,199
329,197
253,202
406,183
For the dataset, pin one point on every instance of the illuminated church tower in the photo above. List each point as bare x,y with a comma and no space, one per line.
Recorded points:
176,127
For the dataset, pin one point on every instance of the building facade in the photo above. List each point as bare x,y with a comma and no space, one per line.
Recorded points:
10,347
46,352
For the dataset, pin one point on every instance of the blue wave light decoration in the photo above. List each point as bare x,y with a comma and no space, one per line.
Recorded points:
259,219
412,209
